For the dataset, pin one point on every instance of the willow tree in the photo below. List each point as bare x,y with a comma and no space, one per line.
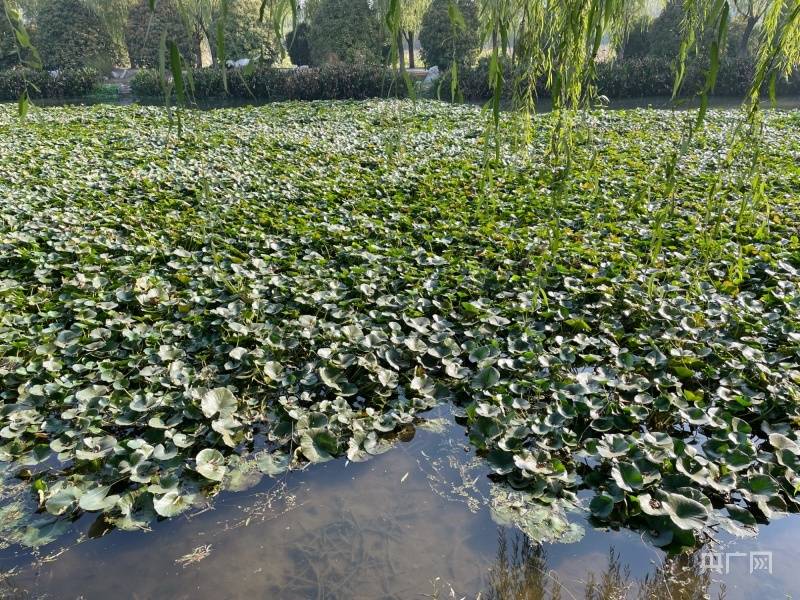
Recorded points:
412,13
408,15
751,12
144,29
114,15
230,28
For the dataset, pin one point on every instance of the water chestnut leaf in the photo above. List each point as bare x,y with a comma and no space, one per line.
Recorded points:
219,401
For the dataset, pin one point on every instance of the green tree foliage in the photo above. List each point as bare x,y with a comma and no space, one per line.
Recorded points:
632,34
298,46
69,34
665,33
637,42
113,14
145,28
441,42
411,13
749,14
661,37
742,40
245,35
8,47
346,31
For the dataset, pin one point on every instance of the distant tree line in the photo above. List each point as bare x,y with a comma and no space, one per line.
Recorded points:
105,33
102,33
660,37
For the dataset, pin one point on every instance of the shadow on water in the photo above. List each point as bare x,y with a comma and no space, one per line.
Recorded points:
411,523
543,106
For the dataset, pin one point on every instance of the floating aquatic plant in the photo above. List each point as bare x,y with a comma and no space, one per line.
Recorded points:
277,290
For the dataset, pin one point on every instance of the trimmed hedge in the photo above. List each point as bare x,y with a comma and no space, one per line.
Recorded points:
633,78
331,82
70,83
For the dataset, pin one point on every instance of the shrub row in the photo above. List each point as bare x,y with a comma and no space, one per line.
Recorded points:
633,78
655,77
332,82
70,83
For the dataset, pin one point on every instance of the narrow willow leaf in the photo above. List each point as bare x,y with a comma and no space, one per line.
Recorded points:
23,104
176,67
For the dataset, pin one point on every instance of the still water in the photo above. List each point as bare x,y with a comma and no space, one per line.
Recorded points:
544,105
411,523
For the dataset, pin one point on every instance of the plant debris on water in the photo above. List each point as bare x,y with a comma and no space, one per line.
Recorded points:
299,282
195,556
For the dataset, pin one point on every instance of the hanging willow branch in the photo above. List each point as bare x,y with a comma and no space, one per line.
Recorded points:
27,54
551,41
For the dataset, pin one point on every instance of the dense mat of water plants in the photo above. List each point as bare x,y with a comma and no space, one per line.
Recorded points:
299,282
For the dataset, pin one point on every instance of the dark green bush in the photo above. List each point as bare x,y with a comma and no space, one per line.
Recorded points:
662,37
345,31
69,35
69,83
8,46
630,78
143,32
665,34
474,81
331,82
438,40
245,35
653,76
298,45
637,44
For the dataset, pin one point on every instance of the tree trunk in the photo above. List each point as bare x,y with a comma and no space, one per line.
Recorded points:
203,33
401,54
199,49
748,31
410,40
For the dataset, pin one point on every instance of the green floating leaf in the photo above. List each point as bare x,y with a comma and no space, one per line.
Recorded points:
320,447
98,499
272,464
627,476
171,504
43,532
601,506
219,401
486,378
210,464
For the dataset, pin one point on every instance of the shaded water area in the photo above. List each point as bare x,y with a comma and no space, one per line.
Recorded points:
544,105
414,522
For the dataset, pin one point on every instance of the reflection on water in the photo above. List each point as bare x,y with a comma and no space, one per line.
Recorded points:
543,105
521,572
412,523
